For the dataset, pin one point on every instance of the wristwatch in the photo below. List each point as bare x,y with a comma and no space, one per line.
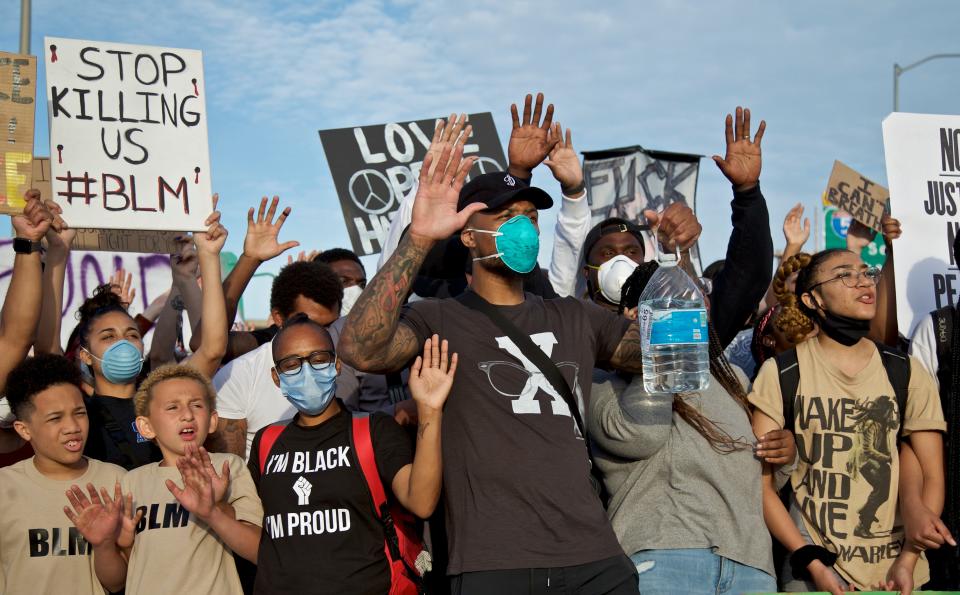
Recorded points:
25,246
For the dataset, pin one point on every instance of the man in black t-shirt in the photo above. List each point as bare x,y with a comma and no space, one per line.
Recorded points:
320,532
520,506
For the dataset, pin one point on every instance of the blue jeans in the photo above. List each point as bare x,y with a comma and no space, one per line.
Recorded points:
697,572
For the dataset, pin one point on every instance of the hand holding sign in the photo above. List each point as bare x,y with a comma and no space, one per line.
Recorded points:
741,165
530,141
261,243
211,242
35,220
435,216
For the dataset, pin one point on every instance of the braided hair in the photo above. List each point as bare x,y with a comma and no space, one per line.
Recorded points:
720,440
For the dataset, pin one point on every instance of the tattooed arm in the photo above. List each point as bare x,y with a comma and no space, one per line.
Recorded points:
231,436
373,340
627,356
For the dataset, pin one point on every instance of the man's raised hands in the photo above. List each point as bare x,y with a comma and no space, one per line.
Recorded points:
565,163
530,140
446,134
741,165
435,216
261,242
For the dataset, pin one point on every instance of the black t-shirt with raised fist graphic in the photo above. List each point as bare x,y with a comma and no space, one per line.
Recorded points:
515,469
320,534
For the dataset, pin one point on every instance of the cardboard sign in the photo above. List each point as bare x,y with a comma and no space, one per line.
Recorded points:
128,135
113,240
624,182
923,168
373,167
18,92
852,192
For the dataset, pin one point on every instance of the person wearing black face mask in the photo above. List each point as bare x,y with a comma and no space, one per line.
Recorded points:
849,419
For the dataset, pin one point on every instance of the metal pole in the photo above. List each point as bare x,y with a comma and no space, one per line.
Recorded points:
896,87
24,26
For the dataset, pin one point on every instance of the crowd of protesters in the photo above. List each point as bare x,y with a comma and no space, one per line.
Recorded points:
468,422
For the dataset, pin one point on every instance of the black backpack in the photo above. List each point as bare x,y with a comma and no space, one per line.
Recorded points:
895,362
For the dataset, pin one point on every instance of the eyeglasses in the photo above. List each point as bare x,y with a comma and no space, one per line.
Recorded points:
318,360
510,379
852,279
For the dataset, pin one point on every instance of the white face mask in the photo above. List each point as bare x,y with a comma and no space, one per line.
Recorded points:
350,296
612,274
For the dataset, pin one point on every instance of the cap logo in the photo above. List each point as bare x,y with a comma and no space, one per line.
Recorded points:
509,180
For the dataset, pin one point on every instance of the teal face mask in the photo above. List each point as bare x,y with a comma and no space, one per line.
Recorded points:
518,244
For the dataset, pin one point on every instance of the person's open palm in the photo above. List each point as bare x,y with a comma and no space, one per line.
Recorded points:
446,133
741,165
530,140
435,216
796,229
431,376
261,242
98,518
564,161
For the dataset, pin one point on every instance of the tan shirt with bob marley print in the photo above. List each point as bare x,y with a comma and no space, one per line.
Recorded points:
846,480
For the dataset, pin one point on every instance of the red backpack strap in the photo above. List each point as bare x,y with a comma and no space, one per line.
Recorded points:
363,444
267,440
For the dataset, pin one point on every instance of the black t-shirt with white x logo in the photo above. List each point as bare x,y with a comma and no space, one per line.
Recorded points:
320,534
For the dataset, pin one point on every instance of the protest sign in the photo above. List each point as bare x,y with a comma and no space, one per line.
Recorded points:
18,92
624,182
113,240
87,270
852,192
373,167
128,135
923,169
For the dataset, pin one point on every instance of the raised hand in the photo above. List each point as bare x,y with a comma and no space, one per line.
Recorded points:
446,134
435,215
212,240
197,492
565,163
304,256
431,377
128,526
98,518
891,228
677,226
795,232
121,284
220,482
741,165
530,140
59,237
858,236
261,242
35,220
185,263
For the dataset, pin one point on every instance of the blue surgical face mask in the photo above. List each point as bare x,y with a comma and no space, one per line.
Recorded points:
309,390
518,244
121,362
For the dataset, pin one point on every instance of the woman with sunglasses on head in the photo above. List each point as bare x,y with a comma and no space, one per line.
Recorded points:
842,527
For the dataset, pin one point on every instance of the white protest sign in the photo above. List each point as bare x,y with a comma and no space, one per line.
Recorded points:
923,171
128,135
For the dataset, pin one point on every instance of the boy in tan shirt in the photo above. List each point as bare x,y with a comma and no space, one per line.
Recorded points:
186,535
39,551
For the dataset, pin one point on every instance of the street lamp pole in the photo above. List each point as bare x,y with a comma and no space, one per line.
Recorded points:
24,26
898,70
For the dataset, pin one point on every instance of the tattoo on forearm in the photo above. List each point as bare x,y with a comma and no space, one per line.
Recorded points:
627,356
373,320
421,429
230,437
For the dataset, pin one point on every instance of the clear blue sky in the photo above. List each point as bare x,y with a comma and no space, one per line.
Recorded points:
661,74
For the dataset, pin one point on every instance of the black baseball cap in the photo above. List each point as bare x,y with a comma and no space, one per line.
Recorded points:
496,189
612,225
